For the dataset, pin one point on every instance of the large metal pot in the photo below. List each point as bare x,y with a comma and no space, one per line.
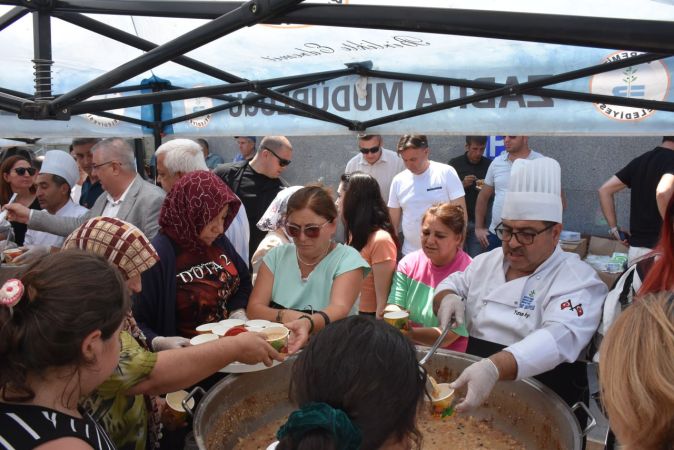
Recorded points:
527,410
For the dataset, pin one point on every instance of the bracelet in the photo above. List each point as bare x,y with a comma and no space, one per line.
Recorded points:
311,321
279,316
325,317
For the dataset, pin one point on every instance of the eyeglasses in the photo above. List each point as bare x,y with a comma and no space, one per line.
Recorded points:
372,150
96,166
523,237
282,161
21,171
310,231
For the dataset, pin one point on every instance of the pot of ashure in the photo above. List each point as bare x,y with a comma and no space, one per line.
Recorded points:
244,411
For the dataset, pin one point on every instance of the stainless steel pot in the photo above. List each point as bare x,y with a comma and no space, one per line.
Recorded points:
526,410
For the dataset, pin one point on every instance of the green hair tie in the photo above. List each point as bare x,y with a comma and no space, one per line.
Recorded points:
321,415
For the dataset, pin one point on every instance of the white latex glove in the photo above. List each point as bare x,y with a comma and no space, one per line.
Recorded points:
451,308
238,314
168,342
33,254
480,377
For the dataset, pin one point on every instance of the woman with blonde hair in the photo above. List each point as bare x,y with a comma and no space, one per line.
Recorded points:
635,374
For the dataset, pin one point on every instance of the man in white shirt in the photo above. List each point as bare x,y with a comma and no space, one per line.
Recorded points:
377,161
58,175
496,182
530,308
423,184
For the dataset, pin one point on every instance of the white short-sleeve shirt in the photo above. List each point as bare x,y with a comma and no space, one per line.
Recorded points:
414,194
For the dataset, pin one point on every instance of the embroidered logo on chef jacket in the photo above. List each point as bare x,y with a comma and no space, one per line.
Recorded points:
578,308
527,302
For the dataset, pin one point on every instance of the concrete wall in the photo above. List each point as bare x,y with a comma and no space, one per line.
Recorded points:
586,163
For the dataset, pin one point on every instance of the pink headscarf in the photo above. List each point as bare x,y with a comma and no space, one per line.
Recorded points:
196,199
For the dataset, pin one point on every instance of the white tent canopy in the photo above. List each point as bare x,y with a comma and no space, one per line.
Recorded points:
385,73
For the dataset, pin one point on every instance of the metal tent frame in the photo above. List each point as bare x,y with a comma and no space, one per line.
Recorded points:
653,37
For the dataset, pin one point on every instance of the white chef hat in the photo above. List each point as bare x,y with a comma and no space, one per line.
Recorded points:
534,191
57,162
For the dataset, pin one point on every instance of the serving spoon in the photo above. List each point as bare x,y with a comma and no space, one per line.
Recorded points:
435,346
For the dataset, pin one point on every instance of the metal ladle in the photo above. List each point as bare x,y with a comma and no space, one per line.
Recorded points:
435,346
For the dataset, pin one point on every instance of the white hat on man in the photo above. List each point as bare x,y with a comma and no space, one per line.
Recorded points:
57,162
534,191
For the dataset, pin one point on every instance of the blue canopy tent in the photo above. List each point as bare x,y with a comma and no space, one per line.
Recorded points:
205,68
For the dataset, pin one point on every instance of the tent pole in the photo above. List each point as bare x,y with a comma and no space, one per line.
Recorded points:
598,32
143,44
12,16
206,91
10,103
248,14
553,79
42,61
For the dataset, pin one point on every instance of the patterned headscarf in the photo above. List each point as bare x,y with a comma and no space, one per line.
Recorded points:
275,215
121,243
196,199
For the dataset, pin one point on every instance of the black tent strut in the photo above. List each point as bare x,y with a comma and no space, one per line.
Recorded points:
656,38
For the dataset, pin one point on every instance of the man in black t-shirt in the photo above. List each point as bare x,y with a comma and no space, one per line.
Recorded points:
257,181
472,168
642,176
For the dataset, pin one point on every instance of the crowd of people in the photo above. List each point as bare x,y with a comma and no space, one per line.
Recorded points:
117,272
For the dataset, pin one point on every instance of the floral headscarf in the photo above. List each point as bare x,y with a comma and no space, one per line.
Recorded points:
275,215
196,199
121,243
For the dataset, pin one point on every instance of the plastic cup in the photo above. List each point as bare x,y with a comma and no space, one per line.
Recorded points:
174,411
232,322
277,338
398,319
206,328
10,254
479,184
257,323
203,338
444,398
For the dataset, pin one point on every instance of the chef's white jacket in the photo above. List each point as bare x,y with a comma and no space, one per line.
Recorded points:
544,319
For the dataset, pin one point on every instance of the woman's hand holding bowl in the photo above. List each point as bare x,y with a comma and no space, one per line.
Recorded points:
253,348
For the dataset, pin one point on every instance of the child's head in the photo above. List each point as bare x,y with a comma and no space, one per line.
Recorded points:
368,374
635,373
67,316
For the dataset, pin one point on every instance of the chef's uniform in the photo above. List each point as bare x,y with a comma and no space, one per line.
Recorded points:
544,320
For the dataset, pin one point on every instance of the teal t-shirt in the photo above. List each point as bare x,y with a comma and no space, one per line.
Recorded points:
291,291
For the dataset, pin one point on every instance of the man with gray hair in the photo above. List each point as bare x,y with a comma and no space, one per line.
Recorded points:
127,196
178,157
257,181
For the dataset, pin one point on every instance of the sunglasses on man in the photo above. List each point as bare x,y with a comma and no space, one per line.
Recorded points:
310,231
21,171
282,161
372,150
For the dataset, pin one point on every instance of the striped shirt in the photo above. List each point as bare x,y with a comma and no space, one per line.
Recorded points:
28,426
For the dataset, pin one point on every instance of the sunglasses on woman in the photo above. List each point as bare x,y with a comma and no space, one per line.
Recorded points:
310,231
21,171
